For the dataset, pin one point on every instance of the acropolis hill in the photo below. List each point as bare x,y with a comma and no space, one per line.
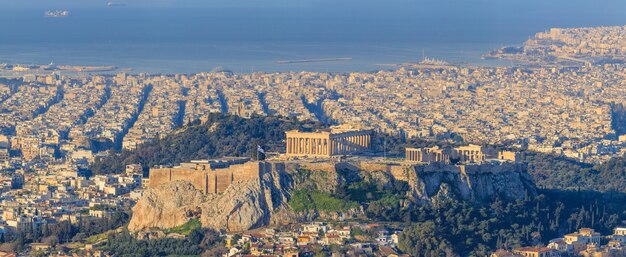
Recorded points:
240,187
238,194
318,151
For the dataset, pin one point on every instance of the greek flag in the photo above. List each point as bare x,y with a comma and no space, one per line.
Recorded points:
260,149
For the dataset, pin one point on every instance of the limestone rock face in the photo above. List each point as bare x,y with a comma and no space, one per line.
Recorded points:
245,205
264,201
430,184
166,206
242,206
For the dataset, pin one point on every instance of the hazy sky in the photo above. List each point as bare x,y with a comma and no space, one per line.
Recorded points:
153,3
495,4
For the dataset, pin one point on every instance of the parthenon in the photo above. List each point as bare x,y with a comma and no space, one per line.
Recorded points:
336,141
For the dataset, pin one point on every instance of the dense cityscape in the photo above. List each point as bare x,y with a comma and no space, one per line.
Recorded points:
565,98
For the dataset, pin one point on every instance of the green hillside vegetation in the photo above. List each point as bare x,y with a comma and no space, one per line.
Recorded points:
199,241
304,200
186,228
562,173
462,229
456,227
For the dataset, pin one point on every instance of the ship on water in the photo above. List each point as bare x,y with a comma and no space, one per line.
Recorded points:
114,4
56,13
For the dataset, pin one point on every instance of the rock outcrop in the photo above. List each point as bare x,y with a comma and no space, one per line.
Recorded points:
167,206
242,206
475,183
255,203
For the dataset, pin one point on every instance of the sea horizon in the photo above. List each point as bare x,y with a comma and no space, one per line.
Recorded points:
189,40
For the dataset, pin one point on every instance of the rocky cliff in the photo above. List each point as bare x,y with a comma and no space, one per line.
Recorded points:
433,183
255,203
242,206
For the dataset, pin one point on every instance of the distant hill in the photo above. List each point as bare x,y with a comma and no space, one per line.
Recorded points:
221,135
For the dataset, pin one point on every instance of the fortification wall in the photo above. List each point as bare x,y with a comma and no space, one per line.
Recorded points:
321,166
370,167
198,179
491,168
400,172
218,180
159,176
210,181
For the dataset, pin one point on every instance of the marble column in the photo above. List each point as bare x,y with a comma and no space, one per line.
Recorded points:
308,146
326,147
298,145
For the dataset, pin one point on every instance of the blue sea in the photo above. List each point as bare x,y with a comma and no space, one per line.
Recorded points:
243,36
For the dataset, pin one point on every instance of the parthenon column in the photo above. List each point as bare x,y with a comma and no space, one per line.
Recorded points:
327,146
352,139
350,143
316,144
339,148
296,141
